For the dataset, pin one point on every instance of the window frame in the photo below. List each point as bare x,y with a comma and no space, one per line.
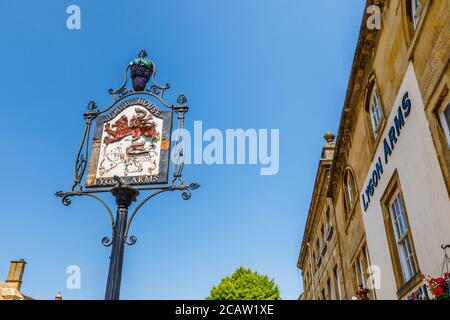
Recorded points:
402,235
374,135
416,12
355,277
376,112
445,125
437,103
360,267
337,283
329,223
369,271
392,192
362,270
350,204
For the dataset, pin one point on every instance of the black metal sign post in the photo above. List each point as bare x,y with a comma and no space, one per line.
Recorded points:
124,195
130,156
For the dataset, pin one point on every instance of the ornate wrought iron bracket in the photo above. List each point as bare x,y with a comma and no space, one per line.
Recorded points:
446,262
106,241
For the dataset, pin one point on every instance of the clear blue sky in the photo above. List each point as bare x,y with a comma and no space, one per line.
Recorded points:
242,64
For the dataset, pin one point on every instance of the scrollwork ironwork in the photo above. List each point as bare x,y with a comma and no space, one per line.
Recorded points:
194,186
132,240
106,241
82,159
65,198
186,195
123,87
185,189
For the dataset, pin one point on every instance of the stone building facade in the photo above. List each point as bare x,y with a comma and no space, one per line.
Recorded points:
320,256
388,184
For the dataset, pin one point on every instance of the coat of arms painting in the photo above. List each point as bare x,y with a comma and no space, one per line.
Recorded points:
131,142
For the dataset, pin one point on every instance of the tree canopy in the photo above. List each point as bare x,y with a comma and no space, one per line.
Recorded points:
245,284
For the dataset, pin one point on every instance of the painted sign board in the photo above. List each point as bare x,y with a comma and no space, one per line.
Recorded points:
131,142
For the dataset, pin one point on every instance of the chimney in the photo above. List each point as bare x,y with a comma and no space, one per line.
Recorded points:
15,274
328,148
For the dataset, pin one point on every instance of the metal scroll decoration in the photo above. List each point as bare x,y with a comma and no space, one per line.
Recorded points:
144,131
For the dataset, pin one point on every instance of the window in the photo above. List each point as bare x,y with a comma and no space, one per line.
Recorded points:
370,271
375,111
328,218
401,244
362,271
329,225
337,284
328,289
415,12
322,233
359,269
319,255
444,117
350,192
402,237
309,280
305,281
355,278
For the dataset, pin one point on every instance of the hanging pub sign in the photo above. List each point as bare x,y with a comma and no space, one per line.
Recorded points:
132,142
132,136
129,154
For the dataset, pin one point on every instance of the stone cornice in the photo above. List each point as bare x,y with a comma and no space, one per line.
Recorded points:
365,47
319,191
364,52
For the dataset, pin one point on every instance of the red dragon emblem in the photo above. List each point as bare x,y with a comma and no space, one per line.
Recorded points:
139,125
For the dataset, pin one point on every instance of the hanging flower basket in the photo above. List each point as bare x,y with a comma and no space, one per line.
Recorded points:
141,71
439,287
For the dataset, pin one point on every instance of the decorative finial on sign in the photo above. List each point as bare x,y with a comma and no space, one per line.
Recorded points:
92,105
182,99
141,71
142,54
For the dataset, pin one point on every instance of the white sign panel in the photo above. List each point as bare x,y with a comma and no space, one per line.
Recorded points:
131,142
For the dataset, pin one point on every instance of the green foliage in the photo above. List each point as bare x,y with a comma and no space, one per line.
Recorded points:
143,62
245,284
